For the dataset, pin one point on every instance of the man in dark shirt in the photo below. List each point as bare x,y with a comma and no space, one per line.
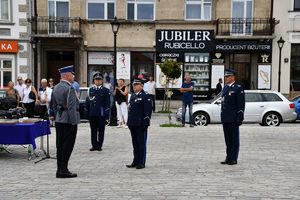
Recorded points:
219,87
187,99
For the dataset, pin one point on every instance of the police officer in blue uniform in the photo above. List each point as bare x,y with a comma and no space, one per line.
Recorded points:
139,115
98,107
232,116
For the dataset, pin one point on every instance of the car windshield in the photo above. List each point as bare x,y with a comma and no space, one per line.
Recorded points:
296,98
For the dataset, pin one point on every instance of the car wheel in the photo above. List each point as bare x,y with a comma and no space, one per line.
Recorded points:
201,119
272,119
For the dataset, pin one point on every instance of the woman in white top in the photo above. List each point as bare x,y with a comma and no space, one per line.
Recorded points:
29,103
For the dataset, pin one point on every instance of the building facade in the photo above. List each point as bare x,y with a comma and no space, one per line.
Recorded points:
288,12
15,47
206,36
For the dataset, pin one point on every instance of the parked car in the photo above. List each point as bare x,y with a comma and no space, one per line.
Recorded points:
296,101
82,98
268,108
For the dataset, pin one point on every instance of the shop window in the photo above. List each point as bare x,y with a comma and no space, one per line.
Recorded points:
142,64
140,9
100,9
4,10
295,67
296,5
5,72
198,9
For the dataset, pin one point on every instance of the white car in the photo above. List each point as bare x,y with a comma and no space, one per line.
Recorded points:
268,108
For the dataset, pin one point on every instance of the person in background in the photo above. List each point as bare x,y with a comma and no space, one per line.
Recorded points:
45,98
149,87
29,103
11,92
219,87
20,87
121,93
51,83
187,99
76,86
109,86
97,105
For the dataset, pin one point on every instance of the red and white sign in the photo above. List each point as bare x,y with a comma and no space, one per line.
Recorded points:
8,46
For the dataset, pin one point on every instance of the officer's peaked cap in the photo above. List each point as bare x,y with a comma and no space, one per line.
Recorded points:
137,81
229,72
66,69
97,75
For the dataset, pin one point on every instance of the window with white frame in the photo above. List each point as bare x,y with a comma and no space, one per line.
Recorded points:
4,10
198,9
6,72
100,9
141,10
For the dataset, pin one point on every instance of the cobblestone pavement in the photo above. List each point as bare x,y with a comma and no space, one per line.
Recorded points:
182,163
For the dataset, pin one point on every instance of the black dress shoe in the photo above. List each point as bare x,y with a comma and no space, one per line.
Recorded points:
140,166
225,162
93,149
65,175
132,165
99,149
232,162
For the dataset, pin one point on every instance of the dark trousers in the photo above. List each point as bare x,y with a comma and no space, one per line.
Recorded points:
139,143
153,102
43,111
29,109
65,140
97,125
232,140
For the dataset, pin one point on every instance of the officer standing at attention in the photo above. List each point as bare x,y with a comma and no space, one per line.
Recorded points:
98,107
232,116
65,105
139,115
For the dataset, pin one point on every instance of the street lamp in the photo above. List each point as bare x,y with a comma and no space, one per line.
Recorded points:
280,43
115,25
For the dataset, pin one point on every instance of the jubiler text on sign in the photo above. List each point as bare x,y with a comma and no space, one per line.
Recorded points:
184,40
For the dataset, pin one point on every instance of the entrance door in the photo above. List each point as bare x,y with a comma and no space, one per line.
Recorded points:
58,16
242,14
56,60
241,63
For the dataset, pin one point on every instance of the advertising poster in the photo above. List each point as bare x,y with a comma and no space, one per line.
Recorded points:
100,58
217,71
161,79
123,65
264,77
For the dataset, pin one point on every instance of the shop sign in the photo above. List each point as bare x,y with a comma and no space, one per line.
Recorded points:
234,46
9,46
185,40
123,65
100,58
265,58
218,58
162,57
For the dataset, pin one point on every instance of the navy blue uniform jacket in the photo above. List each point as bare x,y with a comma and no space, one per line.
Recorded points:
98,102
140,109
233,104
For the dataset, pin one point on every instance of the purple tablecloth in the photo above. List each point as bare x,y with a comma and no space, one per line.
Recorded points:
23,133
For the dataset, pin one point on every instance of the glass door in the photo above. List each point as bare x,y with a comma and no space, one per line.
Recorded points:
58,16
242,16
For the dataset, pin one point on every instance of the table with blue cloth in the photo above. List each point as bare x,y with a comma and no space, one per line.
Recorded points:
23,133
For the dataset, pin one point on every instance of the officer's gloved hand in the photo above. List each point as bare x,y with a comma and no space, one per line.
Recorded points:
240,118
